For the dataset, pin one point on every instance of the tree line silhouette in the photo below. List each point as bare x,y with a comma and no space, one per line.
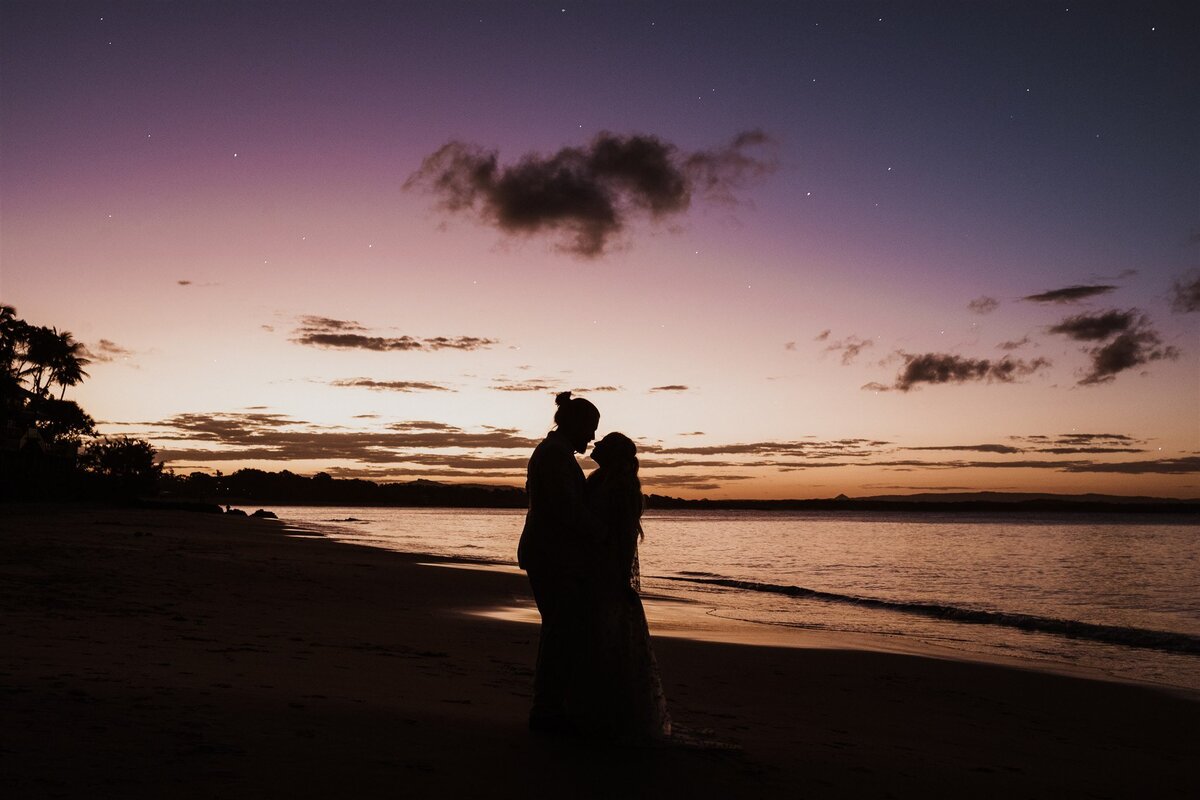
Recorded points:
49,446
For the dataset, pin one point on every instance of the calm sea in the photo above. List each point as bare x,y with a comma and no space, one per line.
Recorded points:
1110,593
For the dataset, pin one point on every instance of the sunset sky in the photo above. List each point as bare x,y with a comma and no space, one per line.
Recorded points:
793,249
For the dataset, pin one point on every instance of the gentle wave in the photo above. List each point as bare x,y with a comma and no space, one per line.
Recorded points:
1110,634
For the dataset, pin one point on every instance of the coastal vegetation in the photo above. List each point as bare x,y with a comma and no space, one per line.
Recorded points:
49,446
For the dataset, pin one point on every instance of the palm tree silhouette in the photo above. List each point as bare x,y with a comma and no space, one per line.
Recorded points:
52,357
67,361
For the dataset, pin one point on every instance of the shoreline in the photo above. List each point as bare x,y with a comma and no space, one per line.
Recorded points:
142,651
683,618
707,622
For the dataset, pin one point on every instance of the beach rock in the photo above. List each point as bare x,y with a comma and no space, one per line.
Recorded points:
264,514
237,512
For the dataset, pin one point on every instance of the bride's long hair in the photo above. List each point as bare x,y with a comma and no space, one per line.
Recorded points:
618,464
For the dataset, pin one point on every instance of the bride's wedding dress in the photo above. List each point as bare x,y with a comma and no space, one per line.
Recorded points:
620,694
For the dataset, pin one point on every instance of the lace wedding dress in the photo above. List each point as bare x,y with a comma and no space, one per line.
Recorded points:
619,693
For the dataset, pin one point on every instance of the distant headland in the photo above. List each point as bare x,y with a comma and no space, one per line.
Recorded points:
257,487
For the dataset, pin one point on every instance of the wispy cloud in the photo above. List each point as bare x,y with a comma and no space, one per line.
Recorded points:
983,305
815,448
1162,466
1016,344
850,347
338,334
701,482
1185,295
278,437
106,351
1070,294
501,384
979,448
391,386
671,387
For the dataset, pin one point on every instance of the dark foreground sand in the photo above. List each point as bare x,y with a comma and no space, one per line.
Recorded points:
167,654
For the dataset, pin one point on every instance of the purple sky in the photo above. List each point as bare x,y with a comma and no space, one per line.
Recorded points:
205,192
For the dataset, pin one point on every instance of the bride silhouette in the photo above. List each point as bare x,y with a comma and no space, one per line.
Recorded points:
617,689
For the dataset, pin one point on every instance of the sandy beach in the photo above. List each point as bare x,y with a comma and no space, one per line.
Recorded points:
175,654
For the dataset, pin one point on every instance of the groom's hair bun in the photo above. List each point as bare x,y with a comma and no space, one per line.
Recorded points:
573,410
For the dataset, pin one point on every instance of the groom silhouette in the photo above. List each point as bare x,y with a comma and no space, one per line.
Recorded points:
553,552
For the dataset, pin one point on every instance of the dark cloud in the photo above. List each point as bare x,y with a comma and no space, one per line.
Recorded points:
823,335
656,462
1165,466
1014,345
704,482
276,437
586,389
1128,341
348,335
1068,444
1070,294
978,448
394,472
849,347
1067,451
1185,295
106,351
1081,443
817,449
693,433
1080,438
391,386
716,173
800,466
589,194
355,341
422,425
1130,349
309,322
1094,437
184,283
983,305
1023,464
366,416
1096,327
947,368
789,345
1162,466
670,387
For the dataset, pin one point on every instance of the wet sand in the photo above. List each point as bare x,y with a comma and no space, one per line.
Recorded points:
173,654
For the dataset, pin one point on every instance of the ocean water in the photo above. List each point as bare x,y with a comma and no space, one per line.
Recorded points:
1114,594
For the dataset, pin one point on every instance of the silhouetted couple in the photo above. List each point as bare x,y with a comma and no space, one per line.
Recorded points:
596,674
